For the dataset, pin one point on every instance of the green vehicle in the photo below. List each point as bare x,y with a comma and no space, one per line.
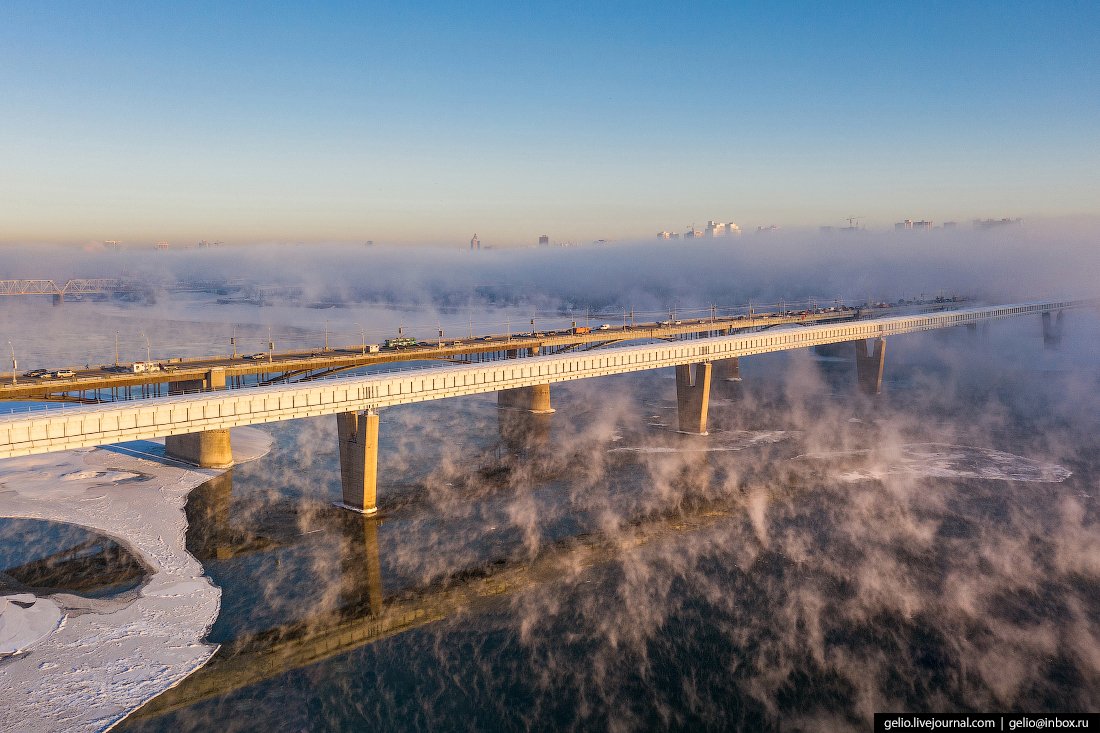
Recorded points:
400,341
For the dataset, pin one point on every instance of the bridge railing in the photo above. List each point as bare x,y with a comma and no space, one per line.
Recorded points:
891,326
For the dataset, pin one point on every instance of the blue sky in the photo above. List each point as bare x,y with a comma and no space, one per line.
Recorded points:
347,121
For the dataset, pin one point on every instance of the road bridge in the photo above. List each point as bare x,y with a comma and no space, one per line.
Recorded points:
196,426
179,375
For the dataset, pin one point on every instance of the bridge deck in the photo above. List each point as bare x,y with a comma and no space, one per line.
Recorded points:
91,425
304,365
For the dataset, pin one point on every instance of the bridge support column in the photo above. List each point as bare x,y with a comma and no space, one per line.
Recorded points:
208,449
693,398
358,435
59,299
869,367
727,369
1052,332
534,399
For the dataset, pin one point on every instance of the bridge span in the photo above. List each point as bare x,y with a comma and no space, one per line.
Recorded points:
196,426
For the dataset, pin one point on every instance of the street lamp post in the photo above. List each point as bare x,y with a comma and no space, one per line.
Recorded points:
116,348
146,349
364,335
233,341
14,364
326,335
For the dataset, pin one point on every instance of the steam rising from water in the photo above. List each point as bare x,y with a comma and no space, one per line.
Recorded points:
819,557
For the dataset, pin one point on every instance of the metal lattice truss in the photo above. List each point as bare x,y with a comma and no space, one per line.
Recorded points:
49,287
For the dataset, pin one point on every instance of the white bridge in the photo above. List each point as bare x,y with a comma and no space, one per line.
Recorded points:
196,425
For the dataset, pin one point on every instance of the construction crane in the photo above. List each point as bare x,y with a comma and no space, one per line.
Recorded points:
852,219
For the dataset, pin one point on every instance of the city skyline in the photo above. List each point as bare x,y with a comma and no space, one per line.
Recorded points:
401,125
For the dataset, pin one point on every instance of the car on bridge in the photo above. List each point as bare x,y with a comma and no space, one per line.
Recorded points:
257,357
33,373
64,373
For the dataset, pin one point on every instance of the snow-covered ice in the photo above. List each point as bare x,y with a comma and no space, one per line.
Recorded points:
26,620
84,664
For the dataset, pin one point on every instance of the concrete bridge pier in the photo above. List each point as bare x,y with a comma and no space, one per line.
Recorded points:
535,399
59,298
208,449
727,370
212,382
1052,331
360,568
869,366
693,397
358,436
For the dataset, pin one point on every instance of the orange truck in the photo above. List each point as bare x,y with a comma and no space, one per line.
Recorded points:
581,329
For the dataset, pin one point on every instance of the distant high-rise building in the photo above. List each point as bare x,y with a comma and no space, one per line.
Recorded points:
474,243
772,228
161,245
903,225
922,226
112,244
663,235
692,233
732,230
544,239
715,229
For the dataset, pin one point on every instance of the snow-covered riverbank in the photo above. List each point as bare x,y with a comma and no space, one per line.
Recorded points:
81,665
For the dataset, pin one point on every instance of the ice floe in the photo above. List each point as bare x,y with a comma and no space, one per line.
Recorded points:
719,442
945,461
99,659
26,620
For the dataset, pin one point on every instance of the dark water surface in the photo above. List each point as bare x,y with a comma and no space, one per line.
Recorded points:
42,557
819,557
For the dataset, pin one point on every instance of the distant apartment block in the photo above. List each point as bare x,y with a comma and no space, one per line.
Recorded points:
112,244
713,229
772,228
161,245
991,223
475,243
908,224
544,239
